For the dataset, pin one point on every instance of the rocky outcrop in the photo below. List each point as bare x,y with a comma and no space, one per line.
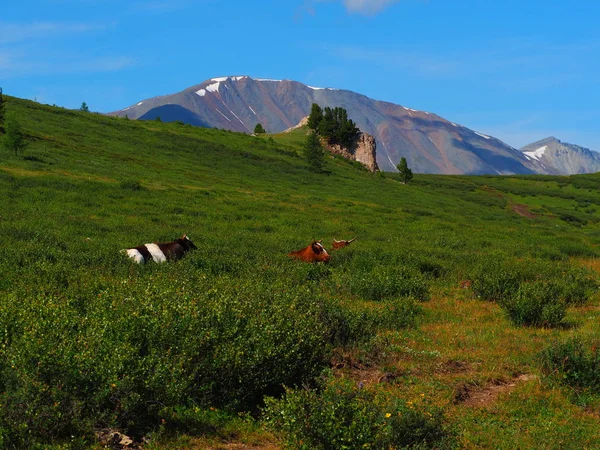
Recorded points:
363,150
301,124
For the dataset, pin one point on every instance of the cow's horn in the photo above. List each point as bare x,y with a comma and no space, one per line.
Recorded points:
335,240
351,240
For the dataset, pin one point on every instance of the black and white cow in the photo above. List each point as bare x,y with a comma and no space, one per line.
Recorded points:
161,251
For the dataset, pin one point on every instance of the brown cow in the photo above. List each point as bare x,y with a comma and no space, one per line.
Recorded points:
340,244
315,252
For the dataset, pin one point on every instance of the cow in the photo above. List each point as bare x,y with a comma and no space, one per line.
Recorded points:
161,251
340,244
315,252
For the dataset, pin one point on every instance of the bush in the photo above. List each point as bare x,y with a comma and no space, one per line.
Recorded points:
356,323
494,279
117,357
575,363
131,185
577,285
382,283
343,415
536,304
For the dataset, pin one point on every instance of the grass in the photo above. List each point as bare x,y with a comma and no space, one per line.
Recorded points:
91,340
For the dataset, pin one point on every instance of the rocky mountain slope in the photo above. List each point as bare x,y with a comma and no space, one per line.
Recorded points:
562,158
430,143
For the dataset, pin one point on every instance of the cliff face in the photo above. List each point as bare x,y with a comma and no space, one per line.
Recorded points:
363,150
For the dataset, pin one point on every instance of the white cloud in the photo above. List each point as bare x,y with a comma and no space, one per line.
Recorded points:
24,50
16,32
397,59
19,65
367,6
159,6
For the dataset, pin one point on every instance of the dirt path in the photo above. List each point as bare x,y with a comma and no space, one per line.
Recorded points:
481,397
523,211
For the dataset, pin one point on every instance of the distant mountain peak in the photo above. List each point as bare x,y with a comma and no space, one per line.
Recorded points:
213,85
561,157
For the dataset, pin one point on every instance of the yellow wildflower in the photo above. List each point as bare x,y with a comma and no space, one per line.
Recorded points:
388,415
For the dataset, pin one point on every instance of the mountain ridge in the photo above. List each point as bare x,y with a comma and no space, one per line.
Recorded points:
430,143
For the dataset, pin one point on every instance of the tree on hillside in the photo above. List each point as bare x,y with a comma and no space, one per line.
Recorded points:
315,117
337,128
314,152
405,173
258,129
2,109
13,139
84,107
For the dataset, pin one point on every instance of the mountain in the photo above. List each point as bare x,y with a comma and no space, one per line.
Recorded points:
430,143
562,158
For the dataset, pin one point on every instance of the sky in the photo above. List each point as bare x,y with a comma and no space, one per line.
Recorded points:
519,70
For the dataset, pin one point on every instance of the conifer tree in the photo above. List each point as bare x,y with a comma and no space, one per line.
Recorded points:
315,117
405,173
258,129
327,125
84,107
313,152
14,139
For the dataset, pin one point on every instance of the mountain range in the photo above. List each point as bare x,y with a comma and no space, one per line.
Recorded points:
430,143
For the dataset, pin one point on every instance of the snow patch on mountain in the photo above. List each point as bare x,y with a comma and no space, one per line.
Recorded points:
213,87
237,117
201,92
223,114
537,154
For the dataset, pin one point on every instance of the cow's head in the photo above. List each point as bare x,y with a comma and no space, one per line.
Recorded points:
186,243
320,254
315,252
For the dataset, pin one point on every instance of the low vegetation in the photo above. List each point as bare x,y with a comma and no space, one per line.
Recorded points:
448,293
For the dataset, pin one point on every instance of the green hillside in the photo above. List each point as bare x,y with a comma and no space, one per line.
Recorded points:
465,315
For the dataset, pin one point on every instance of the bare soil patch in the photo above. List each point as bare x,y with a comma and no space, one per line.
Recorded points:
480,397
523,211
453,366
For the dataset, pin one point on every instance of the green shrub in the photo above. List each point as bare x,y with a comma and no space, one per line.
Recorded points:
577,285
383,283
131,185
575,363
356,323
345,416
494,279
118,358
536,304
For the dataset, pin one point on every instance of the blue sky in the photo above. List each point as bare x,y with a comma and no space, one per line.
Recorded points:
518,70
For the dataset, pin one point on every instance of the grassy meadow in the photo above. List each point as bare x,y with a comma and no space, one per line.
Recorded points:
465,315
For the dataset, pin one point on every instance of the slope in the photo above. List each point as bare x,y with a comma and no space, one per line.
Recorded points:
91,340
